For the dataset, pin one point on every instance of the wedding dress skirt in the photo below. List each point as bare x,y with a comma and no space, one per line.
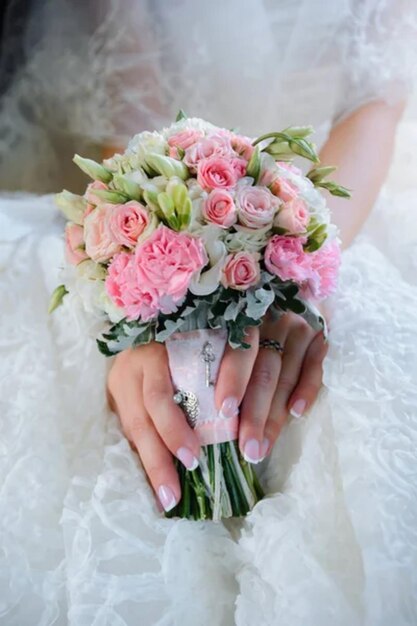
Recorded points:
335,540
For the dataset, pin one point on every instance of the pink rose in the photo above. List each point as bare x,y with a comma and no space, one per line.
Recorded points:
185,138
99,240
123,288
285,257
293,216
168,260
240,166
216,173
324,270
256,206
74,244
284,189
128,222
241,271
219,208
214,145
90,196
242,146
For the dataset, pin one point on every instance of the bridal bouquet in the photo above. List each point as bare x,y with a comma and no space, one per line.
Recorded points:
188,238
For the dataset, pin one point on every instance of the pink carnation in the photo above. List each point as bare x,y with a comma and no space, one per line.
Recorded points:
219,208
256,206
216,173
74,244
167,262
285,257
324,270
241,271
293,216
123,288
128,222
214,145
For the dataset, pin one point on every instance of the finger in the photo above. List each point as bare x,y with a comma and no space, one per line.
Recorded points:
311,377
295,348
169,420
259,394
155,457
234,374
157,462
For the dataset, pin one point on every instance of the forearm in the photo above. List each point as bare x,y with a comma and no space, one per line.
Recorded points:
361,146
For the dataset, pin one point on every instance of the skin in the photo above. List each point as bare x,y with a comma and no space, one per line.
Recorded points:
265,384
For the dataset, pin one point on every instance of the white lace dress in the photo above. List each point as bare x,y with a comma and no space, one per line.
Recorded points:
335,540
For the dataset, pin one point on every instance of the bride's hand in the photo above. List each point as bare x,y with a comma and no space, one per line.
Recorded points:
264,384
140,391
268,385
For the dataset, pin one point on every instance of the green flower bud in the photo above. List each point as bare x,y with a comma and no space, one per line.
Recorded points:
317,174
254,166
128,187
93,169
298,132
56,298
109,195
71,205
166,166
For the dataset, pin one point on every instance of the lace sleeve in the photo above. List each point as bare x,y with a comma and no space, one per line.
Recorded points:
379,53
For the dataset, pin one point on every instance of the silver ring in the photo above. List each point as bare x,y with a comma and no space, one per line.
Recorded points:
272,344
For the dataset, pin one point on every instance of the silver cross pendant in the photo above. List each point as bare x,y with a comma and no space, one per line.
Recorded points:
208,357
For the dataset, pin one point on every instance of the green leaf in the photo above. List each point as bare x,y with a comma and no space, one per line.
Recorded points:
56,298
181,115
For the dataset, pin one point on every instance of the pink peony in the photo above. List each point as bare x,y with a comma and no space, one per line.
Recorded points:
216,173
124,290
256,206
215,145
242,146
74,244
168,260
324,269
241,271
128,223
293,216
99,241
219,208
285,257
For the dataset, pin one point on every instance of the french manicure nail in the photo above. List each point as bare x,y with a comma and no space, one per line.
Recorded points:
167,497
298,408
187,458
229,408
253,451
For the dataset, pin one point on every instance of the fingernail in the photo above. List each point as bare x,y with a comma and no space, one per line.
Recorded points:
187,458
229,408
254,451
167,497
298,408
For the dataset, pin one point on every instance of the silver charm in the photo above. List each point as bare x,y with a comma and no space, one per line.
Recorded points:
188,401
208,357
